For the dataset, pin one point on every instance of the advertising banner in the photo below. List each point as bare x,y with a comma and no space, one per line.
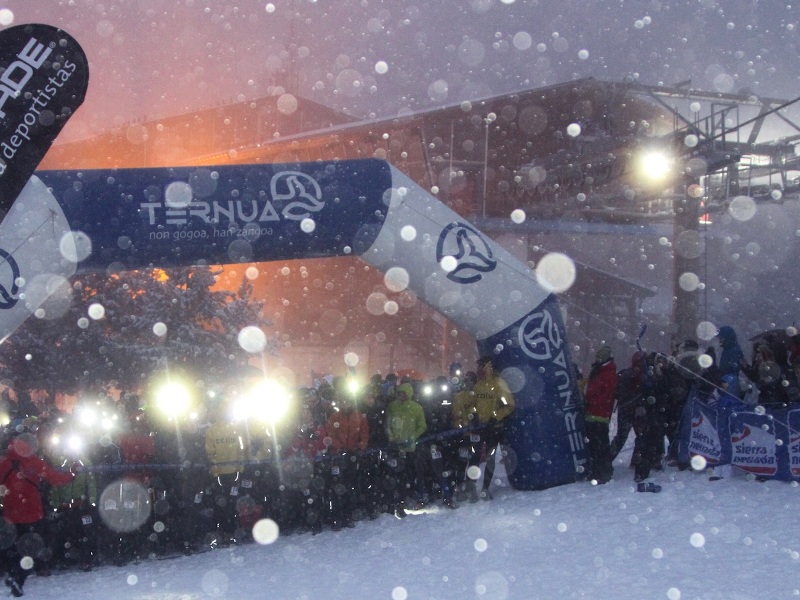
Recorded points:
764,442
752,438
44,75
167,217
704,439
793,421
546,429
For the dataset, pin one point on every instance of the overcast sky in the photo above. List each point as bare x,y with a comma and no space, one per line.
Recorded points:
154,58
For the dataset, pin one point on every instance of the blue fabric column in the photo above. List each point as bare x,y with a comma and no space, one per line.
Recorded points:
545,432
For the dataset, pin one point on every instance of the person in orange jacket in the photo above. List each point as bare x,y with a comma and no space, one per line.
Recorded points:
347,427
21,473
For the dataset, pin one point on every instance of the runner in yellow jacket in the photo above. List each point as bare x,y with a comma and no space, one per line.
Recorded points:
493,403
226,449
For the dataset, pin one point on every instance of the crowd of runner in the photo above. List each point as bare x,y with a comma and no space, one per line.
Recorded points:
143,485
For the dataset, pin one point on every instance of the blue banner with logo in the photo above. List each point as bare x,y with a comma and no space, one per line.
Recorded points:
547,425
793,427
753,443
135,218
164,217
763,441
704,434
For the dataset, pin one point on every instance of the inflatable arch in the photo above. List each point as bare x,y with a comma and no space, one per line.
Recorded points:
67,222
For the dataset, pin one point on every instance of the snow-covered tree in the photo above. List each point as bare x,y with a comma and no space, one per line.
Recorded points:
122,329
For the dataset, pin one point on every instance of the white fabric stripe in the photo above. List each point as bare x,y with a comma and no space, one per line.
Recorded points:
33,234
503,291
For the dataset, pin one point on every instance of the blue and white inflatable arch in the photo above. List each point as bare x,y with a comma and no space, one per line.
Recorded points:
83,221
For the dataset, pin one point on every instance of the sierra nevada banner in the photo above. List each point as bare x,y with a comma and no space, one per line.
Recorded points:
753,443
704,439
793,425
763,441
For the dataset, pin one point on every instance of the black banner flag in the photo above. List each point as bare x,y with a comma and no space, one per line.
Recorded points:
43,79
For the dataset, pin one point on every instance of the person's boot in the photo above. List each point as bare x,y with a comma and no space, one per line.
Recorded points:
337,514
461,492
647,486
472,491
15,587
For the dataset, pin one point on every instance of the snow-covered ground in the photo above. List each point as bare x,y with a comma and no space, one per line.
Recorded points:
730,539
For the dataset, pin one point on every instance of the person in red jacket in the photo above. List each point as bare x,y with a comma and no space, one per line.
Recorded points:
601,390
21,473
348,432
137,450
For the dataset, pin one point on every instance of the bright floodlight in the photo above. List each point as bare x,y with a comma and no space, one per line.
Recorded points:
654,165
173,399
74,443
266,400
88,416
353,386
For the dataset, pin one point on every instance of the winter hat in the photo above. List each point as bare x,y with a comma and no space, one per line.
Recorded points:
638,360
603,354
727,336
690,345
407,389
24,444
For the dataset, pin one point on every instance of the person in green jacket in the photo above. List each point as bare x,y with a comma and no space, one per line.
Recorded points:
405,424
75,519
